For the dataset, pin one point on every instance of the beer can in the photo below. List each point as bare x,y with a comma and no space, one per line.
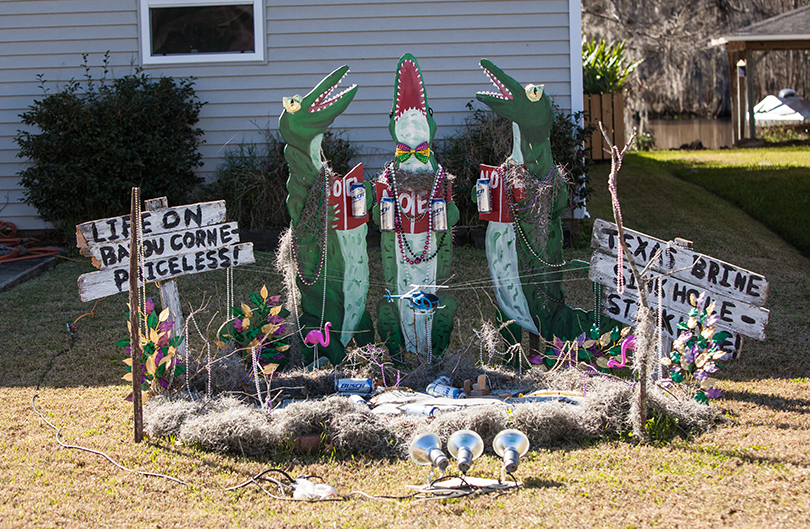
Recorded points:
357,399
420,409
360,386
483,195
444,379
444,390
439,206
387,214
358,192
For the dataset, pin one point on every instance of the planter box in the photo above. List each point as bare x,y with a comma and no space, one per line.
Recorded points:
609,109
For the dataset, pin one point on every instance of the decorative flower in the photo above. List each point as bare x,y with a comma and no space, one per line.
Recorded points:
694,351
248,331
535,359
158,362
713,393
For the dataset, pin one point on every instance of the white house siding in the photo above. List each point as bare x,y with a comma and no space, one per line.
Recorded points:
529,39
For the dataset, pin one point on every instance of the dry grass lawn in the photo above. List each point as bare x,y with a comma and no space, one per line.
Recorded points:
751,471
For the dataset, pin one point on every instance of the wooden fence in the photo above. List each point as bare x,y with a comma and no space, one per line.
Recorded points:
609,109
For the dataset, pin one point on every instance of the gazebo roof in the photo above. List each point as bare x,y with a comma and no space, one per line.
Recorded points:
788,31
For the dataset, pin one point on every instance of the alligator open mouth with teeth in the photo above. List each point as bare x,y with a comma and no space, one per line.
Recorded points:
413,252
527,274
410,90
333,262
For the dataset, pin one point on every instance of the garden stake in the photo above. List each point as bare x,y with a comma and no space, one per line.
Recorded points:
134,305
642,349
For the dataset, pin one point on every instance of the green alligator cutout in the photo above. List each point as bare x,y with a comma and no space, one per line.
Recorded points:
413,128
342,299
528,289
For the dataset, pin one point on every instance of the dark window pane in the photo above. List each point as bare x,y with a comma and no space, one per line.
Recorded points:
205,29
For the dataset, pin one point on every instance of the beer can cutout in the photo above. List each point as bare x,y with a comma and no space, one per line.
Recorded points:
387,214
360,386
482,193
358,192
439,206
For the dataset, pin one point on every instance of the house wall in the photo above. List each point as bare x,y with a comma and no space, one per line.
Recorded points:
306,40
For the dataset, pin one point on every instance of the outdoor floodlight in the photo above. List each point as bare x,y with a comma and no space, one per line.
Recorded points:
511,445
426,450
466,446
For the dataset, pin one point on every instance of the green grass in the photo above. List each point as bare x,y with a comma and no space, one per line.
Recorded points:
752,471
771,185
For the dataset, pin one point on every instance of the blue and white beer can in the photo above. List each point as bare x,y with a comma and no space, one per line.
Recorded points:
420,409
358,192
387,214
358,400
439,207
360,386
483,196
444,390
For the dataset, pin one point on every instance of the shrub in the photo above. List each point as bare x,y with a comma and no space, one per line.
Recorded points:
644,141
603,67
253,178
97,141
486,138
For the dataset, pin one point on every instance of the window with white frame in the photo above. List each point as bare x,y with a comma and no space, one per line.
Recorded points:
197,31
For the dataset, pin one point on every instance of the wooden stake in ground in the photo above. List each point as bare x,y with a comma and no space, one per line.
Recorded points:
643,345
134,311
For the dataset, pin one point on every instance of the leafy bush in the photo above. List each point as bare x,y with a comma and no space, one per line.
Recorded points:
253,178
603,67
568,149
644,141
97,141
486,138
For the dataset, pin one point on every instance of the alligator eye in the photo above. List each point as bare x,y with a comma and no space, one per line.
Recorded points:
430,111
292,104
534,92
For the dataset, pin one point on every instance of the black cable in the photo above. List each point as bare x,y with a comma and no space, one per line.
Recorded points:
71,328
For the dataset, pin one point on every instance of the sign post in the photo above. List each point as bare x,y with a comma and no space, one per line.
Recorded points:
134,324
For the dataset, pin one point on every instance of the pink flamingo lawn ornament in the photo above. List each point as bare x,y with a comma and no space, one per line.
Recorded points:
629,343
315,336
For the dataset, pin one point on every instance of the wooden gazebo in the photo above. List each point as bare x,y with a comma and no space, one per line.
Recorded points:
788,31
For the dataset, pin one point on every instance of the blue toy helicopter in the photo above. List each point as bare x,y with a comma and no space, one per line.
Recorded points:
418,299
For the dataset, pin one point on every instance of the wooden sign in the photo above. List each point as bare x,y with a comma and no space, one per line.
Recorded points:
703,271
735,315
154,222
739,294
177,241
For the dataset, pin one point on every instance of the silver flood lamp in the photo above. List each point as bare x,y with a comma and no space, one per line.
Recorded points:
466,446
511,445
426,449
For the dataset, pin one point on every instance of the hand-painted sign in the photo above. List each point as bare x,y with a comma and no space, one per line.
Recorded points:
177,241
154,222
501,212
340,198
739,294
703,271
